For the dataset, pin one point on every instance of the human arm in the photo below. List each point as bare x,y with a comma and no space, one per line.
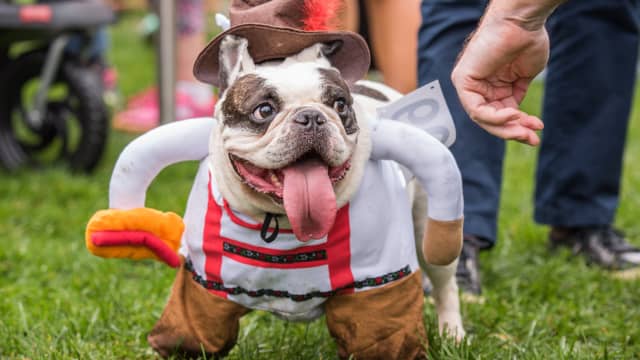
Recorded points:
128,229
492,75
435,168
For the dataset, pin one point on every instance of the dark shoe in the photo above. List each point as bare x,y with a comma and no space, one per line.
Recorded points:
603,246
467,275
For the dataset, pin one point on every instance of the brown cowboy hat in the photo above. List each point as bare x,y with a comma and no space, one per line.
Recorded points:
276,29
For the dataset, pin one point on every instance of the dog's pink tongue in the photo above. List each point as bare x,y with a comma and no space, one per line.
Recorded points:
309,199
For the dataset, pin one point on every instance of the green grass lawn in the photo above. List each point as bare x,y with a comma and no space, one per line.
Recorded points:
57,301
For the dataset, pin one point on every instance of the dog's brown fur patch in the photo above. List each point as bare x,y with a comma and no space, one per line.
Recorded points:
334,88
242,98
368,92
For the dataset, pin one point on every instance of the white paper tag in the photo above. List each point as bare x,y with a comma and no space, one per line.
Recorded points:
426,109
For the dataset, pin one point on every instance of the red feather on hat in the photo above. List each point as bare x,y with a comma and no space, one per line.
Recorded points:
321,14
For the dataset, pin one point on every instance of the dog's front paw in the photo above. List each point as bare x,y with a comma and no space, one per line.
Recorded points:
450,324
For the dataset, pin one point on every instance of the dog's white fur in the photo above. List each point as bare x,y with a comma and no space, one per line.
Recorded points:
303,68
299,87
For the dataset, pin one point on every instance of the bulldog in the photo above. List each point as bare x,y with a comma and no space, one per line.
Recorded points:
289,143
298,208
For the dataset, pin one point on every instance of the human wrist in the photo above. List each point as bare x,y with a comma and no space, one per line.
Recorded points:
530,15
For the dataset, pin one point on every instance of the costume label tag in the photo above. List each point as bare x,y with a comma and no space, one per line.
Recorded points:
426,109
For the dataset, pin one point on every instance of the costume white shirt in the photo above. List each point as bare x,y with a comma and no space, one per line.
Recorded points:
370,245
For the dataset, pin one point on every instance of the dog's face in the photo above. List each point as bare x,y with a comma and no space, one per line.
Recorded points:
287,133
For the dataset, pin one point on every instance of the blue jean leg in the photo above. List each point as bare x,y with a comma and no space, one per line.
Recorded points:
445,26
96,46
588,94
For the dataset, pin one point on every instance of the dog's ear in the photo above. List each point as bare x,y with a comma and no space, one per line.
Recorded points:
234,60
315,52
330,48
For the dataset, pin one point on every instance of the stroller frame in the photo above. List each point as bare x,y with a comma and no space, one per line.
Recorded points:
51,27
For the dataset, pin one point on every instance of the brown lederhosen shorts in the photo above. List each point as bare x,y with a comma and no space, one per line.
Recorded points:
383,323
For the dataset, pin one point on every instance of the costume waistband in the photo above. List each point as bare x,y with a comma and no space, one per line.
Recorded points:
237,290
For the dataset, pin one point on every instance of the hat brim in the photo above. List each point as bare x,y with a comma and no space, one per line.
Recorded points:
267,42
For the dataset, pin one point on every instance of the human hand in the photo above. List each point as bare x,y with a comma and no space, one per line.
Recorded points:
135,234
493,74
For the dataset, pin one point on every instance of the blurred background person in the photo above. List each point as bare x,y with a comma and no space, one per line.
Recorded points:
193,98
95,49
588,91
390,27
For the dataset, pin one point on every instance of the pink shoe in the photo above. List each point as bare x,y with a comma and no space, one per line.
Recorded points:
142,113
110,78
144,97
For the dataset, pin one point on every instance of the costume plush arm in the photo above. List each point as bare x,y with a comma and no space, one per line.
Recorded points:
128,229
436,170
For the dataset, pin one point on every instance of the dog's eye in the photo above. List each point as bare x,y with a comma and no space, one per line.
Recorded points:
263,112
340,106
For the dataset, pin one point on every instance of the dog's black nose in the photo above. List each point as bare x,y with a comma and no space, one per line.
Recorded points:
309,118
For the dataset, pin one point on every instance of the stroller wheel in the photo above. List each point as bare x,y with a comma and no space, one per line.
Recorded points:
74,127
